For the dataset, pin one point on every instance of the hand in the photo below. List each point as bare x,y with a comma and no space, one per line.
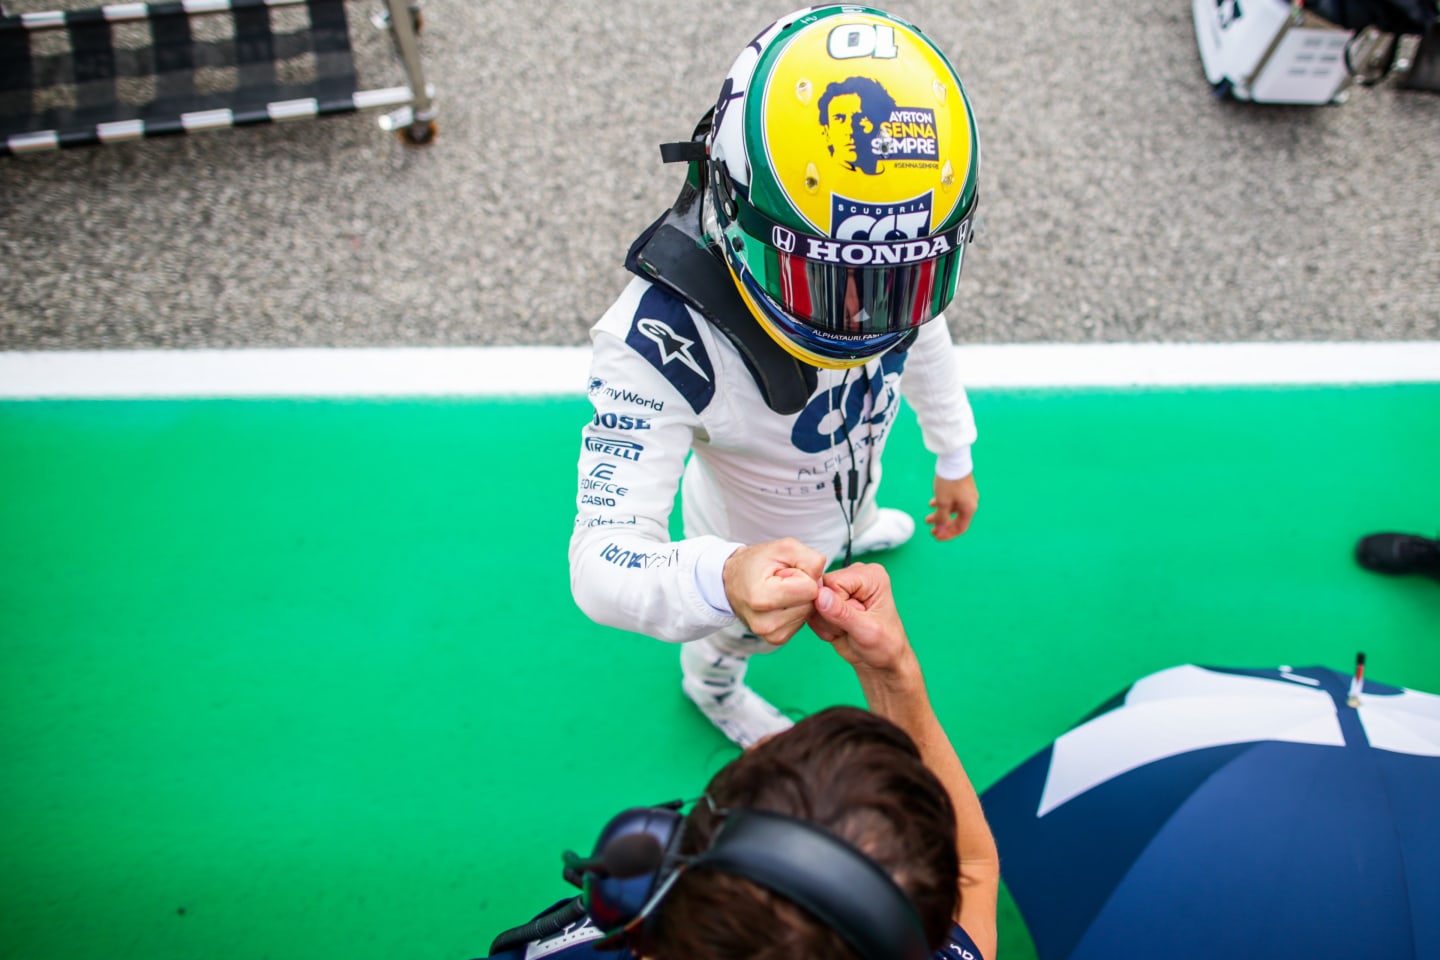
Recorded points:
955,504
855,613
771,587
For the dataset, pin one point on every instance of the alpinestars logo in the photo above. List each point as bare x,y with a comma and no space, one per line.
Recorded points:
672,345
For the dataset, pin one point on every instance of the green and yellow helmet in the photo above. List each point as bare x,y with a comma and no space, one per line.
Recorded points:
843,176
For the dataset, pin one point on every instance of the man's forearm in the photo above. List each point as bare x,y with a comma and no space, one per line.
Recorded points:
899,695
855,611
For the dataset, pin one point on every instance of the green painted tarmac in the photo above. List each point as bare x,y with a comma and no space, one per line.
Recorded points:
284,680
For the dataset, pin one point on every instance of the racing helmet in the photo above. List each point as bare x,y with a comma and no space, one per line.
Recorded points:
842,181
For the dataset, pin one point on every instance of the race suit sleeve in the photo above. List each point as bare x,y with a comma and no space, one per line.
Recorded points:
958,946
625,571
933,386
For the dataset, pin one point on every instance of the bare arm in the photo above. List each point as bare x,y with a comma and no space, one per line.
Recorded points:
855,613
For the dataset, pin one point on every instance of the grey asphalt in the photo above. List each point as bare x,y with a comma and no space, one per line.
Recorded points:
1120,199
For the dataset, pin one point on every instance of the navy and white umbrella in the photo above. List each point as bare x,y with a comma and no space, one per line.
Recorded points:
1225,813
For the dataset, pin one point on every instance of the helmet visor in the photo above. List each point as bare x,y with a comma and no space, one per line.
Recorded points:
853,288
865,300
813,346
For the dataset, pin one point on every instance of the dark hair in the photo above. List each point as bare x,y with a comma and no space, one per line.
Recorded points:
875,101
844,769
876,104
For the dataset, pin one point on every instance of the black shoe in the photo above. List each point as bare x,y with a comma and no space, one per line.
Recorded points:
1399,553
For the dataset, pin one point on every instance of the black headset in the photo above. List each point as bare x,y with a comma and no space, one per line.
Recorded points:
637,861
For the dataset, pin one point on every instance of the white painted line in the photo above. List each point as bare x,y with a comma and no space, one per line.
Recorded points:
299,372
1198,364
560,371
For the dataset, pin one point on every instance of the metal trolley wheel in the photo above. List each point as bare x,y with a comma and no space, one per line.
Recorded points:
421,133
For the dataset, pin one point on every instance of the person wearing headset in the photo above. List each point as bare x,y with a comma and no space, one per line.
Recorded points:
853,834
776,307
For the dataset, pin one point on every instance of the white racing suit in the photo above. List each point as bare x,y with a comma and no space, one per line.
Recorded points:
665,383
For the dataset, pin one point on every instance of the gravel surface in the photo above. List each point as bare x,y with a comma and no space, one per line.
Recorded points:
1120,199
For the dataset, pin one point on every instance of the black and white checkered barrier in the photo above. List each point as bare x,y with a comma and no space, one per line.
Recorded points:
135,70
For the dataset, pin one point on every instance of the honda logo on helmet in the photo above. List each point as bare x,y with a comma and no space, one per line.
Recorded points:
860,254
879,254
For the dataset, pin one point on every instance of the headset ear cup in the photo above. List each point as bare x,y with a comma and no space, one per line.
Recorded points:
642,936
842,887
613,903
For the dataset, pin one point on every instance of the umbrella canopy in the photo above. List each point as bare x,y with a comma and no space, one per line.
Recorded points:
1208,812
